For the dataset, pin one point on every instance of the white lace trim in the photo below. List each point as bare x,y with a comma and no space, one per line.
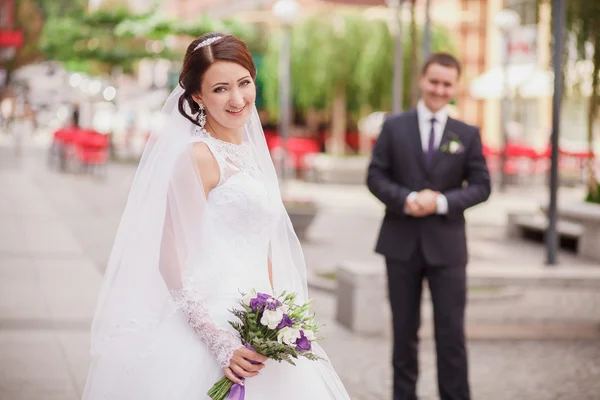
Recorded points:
238,156
220,342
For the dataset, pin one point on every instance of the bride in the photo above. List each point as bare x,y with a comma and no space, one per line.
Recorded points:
204,222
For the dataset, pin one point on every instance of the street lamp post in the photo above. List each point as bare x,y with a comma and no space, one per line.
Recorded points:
285,11
558,27
506,21
427,31
396,6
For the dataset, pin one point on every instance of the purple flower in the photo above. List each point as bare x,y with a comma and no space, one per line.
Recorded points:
273,303
285,321
259,302
302,343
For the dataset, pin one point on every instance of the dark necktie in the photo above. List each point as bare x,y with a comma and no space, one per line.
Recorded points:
431,145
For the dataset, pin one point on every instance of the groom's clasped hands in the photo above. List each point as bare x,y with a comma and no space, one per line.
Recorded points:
423,204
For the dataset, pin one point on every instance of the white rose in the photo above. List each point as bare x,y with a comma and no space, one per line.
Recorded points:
271,318
310,335
246,299
288,336
454,146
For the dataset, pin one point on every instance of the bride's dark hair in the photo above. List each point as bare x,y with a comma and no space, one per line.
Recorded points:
197,61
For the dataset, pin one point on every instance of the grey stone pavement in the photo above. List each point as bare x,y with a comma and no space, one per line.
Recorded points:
533,342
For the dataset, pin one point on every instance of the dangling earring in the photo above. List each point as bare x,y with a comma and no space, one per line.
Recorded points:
202,117
201,120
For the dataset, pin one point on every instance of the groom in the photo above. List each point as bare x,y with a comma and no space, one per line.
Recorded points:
428,168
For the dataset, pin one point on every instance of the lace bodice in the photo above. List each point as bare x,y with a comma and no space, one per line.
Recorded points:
240,207
232,158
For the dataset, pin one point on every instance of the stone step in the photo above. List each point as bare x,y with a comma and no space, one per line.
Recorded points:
362,288
520,224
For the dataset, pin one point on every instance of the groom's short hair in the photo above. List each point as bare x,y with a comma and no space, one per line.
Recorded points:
444,59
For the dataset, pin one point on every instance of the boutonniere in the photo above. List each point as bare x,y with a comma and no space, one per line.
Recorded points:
453,146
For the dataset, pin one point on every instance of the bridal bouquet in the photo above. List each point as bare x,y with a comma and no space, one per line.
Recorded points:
275,327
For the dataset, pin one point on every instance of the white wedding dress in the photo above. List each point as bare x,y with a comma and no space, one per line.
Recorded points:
170,361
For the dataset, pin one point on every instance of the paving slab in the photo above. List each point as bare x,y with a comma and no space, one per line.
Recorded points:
33,367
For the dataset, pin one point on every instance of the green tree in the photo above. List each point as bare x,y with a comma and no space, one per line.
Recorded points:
342,68
54,8
582,22
96,45
157,27
376,67
325,55
336,48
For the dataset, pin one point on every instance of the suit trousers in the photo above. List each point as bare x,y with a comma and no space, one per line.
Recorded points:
447,285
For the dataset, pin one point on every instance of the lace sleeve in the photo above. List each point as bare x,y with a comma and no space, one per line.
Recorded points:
221,343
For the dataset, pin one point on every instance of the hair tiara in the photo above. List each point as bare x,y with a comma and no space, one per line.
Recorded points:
208,41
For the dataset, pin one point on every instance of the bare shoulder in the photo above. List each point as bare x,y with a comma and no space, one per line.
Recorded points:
203,155
207,165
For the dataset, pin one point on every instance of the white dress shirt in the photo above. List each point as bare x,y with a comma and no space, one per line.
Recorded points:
441,117
425,116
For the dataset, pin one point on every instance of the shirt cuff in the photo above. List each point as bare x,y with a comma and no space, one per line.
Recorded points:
442,204
411,196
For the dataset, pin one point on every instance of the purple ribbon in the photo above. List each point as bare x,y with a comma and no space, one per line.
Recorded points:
237,391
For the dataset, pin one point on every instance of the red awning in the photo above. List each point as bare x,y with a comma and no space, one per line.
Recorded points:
10,38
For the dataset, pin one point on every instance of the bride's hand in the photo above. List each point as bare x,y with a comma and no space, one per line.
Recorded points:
245,363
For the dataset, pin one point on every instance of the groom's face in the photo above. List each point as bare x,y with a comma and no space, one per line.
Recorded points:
438,86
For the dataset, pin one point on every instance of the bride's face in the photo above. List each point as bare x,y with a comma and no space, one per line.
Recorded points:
228,93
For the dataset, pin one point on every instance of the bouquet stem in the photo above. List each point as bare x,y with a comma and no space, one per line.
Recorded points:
220,390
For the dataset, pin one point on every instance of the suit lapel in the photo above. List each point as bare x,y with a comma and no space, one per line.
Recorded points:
415,139
445,139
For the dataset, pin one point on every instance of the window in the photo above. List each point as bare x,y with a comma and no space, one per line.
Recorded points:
574,124
524,117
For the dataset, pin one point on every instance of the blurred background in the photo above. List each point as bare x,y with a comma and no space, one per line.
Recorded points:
82,83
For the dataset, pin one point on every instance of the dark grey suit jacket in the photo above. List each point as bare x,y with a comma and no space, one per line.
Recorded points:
398,168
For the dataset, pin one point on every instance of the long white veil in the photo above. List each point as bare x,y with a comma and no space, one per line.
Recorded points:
166,199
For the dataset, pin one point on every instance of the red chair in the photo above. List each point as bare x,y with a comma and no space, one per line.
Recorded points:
492,157
298,148
60,147
91,148
64,135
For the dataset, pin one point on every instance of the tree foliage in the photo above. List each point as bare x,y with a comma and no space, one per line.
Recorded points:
582,18
117,37
94,38
54,8
348,51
